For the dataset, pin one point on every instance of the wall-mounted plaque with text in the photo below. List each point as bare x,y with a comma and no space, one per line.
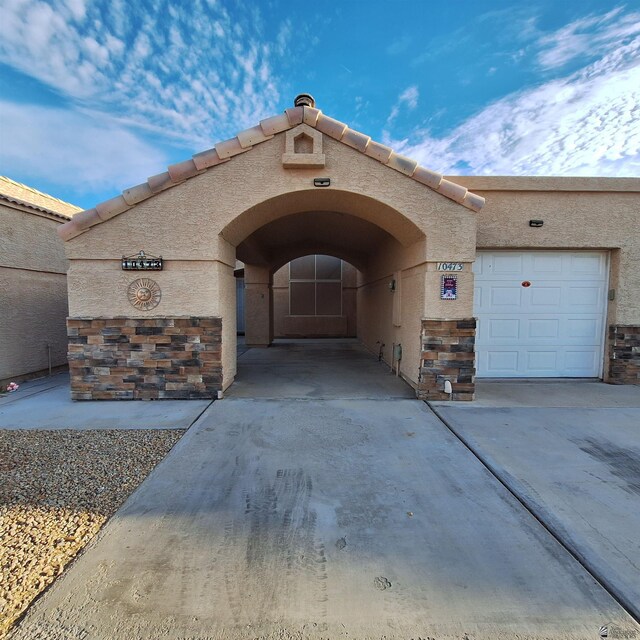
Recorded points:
141,262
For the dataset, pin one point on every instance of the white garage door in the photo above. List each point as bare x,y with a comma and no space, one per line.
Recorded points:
554,327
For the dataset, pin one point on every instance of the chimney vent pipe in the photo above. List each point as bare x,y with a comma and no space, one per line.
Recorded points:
304,100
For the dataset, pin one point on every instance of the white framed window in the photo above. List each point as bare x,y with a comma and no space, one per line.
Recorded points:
315,286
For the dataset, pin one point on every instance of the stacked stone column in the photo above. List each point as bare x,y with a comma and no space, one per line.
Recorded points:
447,354
624,354
145,358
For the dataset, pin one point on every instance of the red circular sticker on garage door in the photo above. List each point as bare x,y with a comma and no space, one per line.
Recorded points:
526,283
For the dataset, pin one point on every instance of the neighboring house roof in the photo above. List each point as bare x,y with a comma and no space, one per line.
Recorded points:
21,194
246,140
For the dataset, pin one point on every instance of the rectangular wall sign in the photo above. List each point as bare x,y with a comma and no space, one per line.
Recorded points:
449,288
141,262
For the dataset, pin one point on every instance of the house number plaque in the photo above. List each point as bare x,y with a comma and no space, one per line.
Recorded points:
449,266
141,262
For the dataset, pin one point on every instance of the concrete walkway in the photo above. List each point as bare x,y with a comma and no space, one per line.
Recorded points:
323,519
315,369
571,452
46,404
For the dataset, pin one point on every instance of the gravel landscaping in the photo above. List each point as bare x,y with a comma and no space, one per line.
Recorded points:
57,489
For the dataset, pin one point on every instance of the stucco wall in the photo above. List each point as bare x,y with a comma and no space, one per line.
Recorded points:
374,318
28,240
227,311
98,288
34,312
378,323
33,293
575,217
412,303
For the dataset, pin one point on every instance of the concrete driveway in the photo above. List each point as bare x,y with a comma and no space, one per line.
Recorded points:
304,518
571,452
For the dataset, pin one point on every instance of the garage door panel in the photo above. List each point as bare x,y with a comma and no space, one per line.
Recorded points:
538,363
588,328
543,328
507,263
502,362
505,296
580,362
544,296
539,330
542,362
546,263
504,329
552,328
586,298
588,263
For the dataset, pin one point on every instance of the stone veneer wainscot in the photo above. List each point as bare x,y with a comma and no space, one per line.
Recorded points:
624,354
145,358
447,354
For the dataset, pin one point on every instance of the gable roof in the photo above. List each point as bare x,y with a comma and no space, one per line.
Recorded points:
246,140
26,196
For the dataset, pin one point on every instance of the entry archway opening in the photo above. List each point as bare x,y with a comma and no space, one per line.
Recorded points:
314,349
321,284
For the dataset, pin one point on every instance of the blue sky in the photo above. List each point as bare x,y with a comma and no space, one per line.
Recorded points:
95,96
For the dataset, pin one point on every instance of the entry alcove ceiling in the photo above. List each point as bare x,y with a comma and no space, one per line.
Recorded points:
325,232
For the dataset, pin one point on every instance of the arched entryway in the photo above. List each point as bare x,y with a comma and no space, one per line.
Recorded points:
387,252
263,198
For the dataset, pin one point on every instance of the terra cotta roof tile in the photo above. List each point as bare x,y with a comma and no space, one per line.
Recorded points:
329,126
225,151
402,164
378,151
136,194
229,148
208,158
110,208
255,135
182,170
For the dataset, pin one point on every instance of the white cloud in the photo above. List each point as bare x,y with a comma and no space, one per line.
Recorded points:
408,99
74,150
585,124
284,37
132,61
591,35
77,8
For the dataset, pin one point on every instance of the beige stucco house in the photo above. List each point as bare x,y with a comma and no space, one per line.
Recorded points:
33,289
458,276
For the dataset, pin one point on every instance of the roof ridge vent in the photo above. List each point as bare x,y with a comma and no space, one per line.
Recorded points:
304,100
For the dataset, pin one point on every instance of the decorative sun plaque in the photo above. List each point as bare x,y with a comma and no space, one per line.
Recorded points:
144,294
